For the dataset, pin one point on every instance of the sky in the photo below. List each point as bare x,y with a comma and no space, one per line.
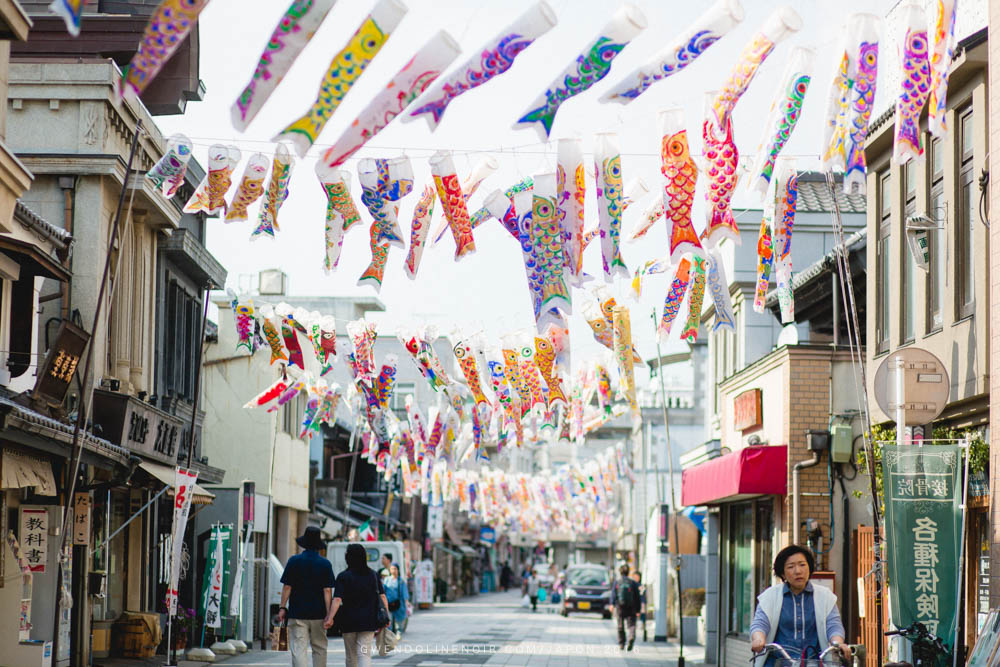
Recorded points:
487,292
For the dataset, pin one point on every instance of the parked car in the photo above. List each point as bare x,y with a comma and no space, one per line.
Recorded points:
589,588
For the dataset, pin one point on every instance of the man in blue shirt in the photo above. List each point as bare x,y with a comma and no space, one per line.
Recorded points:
308,593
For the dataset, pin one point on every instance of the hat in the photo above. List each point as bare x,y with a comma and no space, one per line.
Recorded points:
311,539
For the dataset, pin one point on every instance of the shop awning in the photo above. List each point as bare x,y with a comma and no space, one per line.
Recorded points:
448,550
751,471
166,475
20,470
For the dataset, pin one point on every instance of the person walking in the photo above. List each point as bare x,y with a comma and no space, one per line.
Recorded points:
386,564
505,575
305,600
396,593
531,587
637,578
626,607
357,594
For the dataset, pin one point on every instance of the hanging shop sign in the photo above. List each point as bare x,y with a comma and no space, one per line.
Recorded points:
35,537
747,410
129,422
81,518
59,367
923,494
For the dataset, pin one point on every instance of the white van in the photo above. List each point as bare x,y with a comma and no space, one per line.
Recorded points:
336,551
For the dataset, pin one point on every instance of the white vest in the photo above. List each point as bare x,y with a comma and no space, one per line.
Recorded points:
823,602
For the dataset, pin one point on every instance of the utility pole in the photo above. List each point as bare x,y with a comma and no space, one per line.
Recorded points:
660,631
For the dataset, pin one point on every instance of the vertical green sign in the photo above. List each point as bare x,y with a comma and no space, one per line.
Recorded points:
225,534
923,516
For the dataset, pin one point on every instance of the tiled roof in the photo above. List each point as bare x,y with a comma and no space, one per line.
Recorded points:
814,195
31,220
62,431
821,265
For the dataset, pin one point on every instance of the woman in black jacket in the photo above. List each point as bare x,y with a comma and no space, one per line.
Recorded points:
356,595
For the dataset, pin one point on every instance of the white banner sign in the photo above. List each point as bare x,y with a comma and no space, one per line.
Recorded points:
235,598
183,487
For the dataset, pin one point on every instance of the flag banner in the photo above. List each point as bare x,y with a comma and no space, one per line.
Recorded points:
923,516
183,485
216,579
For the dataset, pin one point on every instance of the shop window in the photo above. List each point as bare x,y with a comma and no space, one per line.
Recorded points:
965,261
936,239
183,318
741,578
764,543
883,260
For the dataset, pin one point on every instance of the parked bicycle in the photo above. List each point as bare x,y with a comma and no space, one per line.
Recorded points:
831,657
928,649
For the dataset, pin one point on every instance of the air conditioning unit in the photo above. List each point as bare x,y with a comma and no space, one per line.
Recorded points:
272,281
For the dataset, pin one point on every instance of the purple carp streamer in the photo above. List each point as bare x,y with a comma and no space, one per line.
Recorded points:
592,65
719,287
782,22
547,246
675,296
489,61
915,86
523,211
409,83
344,70
168,173
862,100
711,26
608,174
942,51
341,212
166,30
69,11
784,115
277,192
293,33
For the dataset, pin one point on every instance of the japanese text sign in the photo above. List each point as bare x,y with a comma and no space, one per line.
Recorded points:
81,518
747,410
35,537
923,497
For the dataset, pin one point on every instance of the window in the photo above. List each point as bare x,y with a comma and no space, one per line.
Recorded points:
882,260
763,543
291,415
936,211
965,265
741,579
399,394
908,305
183,315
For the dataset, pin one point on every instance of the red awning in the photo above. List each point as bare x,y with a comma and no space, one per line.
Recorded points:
752,471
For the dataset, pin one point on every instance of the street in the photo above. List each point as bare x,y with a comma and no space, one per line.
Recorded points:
493,629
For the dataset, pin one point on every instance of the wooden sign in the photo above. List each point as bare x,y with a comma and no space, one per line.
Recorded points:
60,364
747,410
35,537
81,518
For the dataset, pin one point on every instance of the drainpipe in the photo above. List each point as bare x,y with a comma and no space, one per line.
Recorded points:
801,465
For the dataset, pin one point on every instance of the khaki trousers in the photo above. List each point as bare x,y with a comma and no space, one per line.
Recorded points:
303,633
358,647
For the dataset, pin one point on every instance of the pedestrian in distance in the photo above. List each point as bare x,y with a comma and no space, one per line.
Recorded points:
386,564
505,575
396,594
306,600
531,586
626,607
637,578
802,618
357,595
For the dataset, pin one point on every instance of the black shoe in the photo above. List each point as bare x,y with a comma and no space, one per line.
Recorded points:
630,645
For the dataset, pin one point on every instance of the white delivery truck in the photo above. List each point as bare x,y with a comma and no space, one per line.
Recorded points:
335,552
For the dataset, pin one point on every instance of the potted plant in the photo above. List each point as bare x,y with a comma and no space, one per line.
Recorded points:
182,625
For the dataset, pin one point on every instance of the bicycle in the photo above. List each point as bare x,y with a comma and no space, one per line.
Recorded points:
830,657
927,648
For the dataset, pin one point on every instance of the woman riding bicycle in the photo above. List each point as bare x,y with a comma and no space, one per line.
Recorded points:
800,617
